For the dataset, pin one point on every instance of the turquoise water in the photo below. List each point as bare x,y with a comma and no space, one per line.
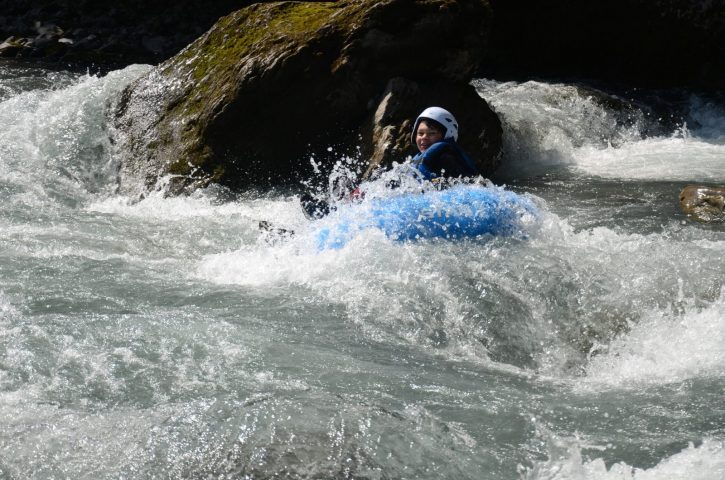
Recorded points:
167,338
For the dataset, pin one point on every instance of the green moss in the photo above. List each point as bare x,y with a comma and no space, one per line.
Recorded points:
218,174
189,164
235,35
179,168
211,64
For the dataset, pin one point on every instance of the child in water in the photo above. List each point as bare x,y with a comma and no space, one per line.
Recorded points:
435,133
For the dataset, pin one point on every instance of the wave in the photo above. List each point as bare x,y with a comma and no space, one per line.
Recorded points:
54,143
552,304
664,347
669,159
705,461
591,132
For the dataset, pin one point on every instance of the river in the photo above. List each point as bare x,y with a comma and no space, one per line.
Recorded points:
167,338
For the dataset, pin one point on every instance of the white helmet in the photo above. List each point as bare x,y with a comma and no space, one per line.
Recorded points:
442,116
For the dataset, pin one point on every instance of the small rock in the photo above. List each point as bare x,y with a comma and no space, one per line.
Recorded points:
13,45
703,203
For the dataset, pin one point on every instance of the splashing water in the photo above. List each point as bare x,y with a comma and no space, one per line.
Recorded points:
168,337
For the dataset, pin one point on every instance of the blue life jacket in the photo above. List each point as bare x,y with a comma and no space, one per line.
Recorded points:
444,158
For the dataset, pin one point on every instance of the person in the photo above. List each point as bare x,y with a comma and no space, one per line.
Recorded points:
435,134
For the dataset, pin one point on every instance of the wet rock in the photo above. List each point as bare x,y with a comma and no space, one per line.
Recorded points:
272,85
13,45
391,123
108,35
703,203
47,30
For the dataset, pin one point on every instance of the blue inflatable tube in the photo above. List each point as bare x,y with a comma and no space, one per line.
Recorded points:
458,212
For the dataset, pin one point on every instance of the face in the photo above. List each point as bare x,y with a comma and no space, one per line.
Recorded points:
427,135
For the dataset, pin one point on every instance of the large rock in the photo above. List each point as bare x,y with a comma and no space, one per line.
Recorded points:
272,85
703,203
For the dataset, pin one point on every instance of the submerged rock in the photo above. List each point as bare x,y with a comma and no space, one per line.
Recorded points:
273,85
703,203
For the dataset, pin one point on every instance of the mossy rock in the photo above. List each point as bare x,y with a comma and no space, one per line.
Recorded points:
271,85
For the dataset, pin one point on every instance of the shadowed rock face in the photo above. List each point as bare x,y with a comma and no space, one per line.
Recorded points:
273,84
653,43
703,203
104,34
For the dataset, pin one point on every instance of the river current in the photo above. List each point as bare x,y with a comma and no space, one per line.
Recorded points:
168,338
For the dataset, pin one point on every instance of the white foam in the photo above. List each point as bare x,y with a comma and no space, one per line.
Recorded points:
548,125
663,348
57,137
296,262
704,462
156,206
669,159
545,124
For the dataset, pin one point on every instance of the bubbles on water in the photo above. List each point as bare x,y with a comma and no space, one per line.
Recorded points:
307,434
594,288
549,303
171,331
